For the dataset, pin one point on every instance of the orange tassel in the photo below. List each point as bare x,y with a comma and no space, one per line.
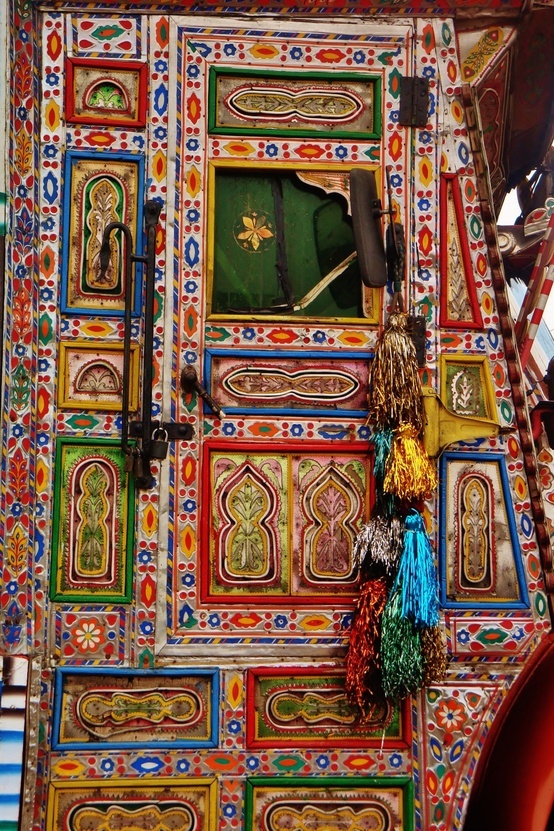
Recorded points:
362,662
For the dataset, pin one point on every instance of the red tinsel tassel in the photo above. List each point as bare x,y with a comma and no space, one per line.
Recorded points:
362,662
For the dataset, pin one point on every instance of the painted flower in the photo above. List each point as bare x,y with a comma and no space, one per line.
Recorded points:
341,152
193,216
229,429
322,762
319,336
296,429
229,49
463,636
358,56
138,141
88,635
182,766
192,146
395,760
428,72
271,150
252,763
451,715
160,66
193,71
107,765
234,727
248,333
296,53
280,621
255,230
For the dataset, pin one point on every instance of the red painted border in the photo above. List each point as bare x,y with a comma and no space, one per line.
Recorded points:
321,601
251,742
106,121
477,322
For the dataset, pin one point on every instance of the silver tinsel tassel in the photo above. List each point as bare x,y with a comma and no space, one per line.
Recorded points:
380,543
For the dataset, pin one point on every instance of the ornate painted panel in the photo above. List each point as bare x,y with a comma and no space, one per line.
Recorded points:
106,92
92,375
298,104
480,555
124,709
96,194
466,386
272,804
459,305
249,381
157,804
304,707
93,532
282,525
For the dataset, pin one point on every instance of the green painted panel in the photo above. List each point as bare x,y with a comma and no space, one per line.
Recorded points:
317,237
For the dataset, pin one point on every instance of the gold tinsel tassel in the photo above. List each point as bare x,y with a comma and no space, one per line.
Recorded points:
409,472
362,662
433,648
394,385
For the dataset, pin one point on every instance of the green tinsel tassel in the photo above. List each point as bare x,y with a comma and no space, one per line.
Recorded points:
401,656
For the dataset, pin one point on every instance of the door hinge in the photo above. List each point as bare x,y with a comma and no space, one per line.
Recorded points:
414,102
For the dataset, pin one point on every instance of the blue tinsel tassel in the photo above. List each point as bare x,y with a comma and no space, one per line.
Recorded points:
417,575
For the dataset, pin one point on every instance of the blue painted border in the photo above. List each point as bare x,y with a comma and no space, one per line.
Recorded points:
71,157
273,407
500,459
61,672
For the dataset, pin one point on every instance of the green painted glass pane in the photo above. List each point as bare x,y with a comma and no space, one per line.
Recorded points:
317,237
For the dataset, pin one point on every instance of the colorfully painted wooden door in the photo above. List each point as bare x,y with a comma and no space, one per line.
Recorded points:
187,641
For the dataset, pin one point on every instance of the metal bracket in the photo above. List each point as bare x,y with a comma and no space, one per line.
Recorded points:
414,102
176,431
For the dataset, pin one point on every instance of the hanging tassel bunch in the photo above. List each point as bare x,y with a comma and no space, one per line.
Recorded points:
378,546
396,645
409,473
411,615
363,659
394,384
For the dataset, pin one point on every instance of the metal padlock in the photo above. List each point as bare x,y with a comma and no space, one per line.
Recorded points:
159,444
129,462
138,469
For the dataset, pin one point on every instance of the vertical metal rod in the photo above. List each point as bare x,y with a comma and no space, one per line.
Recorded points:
105,255
152,212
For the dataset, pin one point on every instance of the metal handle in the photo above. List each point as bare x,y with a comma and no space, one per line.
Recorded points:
190,383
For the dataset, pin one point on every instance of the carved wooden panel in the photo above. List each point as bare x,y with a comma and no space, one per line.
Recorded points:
282,523
248,381
129,708
99,188
91,375
466,385
459,306
302,803
295,103
300,707
106,92
480,556
93,525
157,804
